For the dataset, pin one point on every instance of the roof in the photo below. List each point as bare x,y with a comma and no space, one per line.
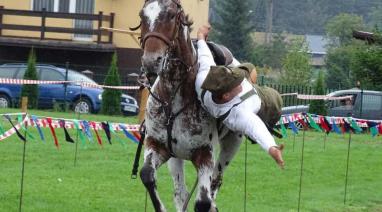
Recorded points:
316,44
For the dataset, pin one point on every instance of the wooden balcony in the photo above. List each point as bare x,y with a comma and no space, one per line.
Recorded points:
47,30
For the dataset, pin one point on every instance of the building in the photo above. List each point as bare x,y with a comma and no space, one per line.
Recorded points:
63,31
317,48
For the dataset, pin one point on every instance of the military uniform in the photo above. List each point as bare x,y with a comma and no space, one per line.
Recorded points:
240,113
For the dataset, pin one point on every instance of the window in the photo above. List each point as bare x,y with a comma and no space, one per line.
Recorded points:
20,73
52,5
7,72
51,75
38,5
63,6
371,102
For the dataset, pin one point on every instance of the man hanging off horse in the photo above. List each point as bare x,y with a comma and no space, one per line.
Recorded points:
227,94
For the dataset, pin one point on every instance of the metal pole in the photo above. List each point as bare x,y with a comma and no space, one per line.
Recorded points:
24,107
347,168
78,118
66,86
301,169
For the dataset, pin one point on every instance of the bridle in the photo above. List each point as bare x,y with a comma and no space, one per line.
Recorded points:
167,60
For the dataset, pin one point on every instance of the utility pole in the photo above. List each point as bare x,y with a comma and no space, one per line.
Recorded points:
268,34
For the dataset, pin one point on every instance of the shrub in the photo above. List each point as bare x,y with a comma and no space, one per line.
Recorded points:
318,106
31,91
111,98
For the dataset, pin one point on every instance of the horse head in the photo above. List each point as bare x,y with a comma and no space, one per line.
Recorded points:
164,36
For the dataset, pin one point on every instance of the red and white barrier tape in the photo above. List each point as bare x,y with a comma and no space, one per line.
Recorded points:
322,97
85,84
12,131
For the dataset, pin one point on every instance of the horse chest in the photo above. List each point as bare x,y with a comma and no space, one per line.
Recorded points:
190,130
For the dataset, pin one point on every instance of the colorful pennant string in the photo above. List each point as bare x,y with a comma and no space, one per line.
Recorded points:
292,126
49,120
17,132
313,123
67,136
36,123
93,124
283,130
106,128
129,135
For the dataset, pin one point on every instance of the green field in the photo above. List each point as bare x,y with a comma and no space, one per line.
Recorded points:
101,179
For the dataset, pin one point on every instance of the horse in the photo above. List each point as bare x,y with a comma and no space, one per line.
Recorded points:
177,127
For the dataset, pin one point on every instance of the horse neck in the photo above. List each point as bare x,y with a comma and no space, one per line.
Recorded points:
180,76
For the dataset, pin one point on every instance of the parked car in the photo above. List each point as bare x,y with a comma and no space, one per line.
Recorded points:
81,99
365,104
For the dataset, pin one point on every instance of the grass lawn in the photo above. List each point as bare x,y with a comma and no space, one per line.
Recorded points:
101,179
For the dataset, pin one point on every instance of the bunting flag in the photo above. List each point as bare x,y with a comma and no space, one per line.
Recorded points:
67,136
343,127
79,131
86,129
129,135
116,135
283,130
313,123
93,124
302,122
355,126
106,128
36,123
380,129
49,120
325,125
292,126
20,120
1,130
335,127
373,126
137,135
17,132
347,126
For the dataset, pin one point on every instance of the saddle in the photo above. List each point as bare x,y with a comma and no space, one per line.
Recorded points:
222,55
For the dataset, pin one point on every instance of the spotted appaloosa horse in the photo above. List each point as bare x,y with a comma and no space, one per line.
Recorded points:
177,128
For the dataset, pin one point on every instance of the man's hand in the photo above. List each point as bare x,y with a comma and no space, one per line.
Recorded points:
203,31
276,153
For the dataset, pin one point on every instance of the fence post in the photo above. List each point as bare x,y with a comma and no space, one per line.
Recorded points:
1,19
111,25
99,32
43,20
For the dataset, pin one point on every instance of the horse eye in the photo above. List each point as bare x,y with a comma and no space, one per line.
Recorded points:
171,15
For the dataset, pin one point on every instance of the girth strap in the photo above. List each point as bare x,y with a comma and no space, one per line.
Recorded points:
169,125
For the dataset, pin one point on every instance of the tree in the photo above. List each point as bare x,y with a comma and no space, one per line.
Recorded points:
366,65
111,98
271,54
376,16
233,28
338,62
31,91
318,106
296,67
342,26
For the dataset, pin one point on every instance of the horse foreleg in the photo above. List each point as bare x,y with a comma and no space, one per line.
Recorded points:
176,167
203,162
154,157
229,145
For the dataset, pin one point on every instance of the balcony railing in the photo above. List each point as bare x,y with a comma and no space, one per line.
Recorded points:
43,27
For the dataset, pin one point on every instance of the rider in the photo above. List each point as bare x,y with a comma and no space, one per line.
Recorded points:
227,95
